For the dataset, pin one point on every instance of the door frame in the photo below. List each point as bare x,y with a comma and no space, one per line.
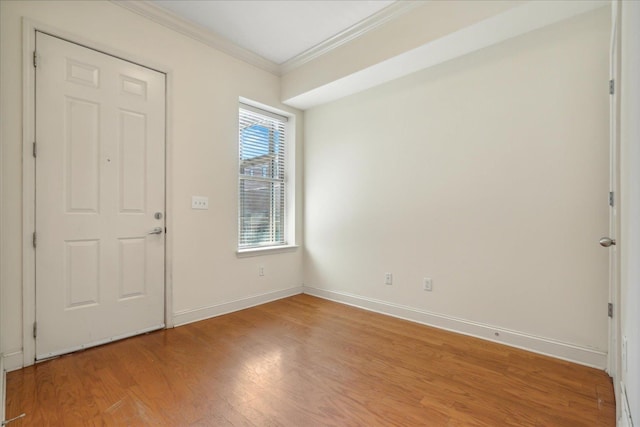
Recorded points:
614,362
29,28
614,350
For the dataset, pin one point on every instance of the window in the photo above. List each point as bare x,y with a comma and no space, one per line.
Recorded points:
262,192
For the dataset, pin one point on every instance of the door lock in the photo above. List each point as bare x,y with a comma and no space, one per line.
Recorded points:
607,241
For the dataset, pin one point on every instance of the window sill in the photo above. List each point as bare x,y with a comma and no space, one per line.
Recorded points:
243,253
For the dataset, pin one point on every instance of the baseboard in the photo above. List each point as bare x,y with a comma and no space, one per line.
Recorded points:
16,361
560,350
189,316
625,419
13,361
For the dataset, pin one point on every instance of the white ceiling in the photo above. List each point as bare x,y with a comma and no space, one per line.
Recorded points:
277,30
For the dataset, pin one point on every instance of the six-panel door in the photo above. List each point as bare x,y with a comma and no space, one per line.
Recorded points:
100,179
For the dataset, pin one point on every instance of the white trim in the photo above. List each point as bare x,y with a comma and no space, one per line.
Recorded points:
263,112
372,22
168,199
560,350
28,194
245,253
12,361
519,20
266,107
134,57
625,419
3,389
290,184
614,263
196,32
29,28
194,315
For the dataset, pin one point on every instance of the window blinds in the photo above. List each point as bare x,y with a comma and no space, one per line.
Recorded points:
261,220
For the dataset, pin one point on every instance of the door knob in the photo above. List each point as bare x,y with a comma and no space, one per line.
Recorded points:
157,230
607,241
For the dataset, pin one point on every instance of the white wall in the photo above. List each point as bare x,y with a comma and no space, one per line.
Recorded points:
630,203
422,24
204,88
488,174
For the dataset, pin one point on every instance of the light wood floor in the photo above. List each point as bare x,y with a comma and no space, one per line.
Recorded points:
303,361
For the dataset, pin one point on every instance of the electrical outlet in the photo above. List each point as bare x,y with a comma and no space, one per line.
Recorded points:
428,284
199,202
260,270
388,278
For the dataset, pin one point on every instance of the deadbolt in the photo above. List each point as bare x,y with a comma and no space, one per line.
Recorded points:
158,215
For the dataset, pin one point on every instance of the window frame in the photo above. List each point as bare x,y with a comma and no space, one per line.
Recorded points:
289,183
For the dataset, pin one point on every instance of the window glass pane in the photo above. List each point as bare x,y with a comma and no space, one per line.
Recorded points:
261,213
262,192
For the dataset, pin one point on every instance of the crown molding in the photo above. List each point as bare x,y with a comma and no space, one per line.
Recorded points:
170,20
370,23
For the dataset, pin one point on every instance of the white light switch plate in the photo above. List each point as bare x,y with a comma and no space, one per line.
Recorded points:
199,202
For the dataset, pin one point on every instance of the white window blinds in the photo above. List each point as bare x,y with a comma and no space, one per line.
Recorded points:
262,191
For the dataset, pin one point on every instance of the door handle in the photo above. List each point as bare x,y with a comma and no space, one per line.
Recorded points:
607,241
157,230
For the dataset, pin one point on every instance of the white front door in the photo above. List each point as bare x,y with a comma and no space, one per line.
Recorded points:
100,191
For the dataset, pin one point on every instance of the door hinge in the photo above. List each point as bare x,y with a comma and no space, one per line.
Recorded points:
612,87
35,329
612,198
610,309
35,59
35,240
35,150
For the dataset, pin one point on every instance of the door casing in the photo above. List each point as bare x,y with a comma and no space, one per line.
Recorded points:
614,350
29,29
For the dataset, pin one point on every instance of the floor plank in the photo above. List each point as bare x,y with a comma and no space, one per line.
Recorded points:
304,361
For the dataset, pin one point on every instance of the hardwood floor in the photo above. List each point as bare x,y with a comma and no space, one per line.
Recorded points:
304,361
